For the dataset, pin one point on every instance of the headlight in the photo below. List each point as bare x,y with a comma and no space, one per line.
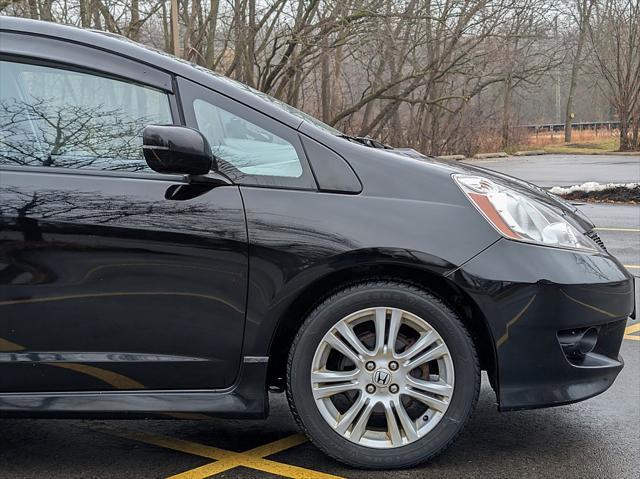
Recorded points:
520,217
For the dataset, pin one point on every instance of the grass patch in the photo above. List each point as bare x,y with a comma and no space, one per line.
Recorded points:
605,145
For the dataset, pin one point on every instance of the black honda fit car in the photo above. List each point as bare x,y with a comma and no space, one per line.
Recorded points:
174,241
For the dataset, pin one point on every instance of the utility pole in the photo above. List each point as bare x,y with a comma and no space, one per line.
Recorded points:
558,114
175,34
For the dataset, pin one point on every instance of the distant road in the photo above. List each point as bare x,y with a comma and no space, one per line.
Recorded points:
563,170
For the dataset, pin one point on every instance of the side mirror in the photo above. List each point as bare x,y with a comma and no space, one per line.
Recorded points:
177,149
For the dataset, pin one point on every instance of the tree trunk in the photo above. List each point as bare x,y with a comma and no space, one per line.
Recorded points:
210,56
585,14
175,34
45,10
134,26
33,9
325,82
250,45
85,13
506,112
624,129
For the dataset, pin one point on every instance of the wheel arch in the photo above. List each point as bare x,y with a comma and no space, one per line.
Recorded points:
295,314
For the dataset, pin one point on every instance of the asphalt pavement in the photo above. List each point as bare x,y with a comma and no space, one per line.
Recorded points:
566,170
597,438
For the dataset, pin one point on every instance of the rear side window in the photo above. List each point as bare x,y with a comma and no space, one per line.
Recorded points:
67,119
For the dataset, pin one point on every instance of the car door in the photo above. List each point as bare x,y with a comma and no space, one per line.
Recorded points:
112,276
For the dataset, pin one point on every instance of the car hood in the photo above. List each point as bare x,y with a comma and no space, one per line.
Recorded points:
566,209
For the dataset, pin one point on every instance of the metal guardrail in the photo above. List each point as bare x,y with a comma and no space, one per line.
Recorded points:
582,125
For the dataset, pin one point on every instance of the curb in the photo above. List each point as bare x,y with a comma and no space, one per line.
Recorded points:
482,156
529,153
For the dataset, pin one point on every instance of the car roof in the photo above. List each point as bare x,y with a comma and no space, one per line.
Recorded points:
124,47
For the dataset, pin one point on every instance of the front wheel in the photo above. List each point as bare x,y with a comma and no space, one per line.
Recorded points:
382,375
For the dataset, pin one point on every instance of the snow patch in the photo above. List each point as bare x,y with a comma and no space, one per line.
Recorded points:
591,186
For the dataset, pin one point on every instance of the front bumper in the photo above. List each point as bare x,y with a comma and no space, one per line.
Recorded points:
529,295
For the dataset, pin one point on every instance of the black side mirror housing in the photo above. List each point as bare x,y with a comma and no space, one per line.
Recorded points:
177,149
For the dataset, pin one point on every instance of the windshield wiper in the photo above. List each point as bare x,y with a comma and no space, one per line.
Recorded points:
366,141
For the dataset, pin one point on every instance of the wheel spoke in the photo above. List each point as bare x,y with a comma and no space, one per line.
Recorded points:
420,345
320,392
407,424
345,421
433,387
394,326
433,353
337,344
326,376
361,424
350,337
392,425
433,403
380,324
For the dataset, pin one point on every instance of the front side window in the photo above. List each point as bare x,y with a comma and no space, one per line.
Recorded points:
62,118
248,147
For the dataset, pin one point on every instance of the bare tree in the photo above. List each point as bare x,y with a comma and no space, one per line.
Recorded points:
581,13
615,38
437,75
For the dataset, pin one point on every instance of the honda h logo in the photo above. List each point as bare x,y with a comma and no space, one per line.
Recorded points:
382,377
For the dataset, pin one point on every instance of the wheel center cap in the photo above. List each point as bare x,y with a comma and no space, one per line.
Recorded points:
381,377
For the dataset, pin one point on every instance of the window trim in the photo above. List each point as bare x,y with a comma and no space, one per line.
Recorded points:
177,117
38,48
136,175
188,91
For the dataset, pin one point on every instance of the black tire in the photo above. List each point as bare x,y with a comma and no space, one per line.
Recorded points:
393,294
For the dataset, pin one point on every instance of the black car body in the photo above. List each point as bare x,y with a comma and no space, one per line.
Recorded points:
127,291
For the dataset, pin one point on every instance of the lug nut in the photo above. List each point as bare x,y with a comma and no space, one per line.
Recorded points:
370,388
394,388
393,365
370,366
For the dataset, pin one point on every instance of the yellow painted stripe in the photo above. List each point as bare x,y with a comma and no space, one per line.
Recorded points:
259,464
207,470
181,445
628,230
286,470
633,338
227,459
632,266
632,329
278,446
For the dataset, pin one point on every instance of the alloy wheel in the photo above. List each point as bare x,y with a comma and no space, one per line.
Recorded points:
382,377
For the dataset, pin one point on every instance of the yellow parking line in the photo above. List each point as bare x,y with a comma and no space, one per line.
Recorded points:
628,332
632,266
628,230
254,458
632,329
